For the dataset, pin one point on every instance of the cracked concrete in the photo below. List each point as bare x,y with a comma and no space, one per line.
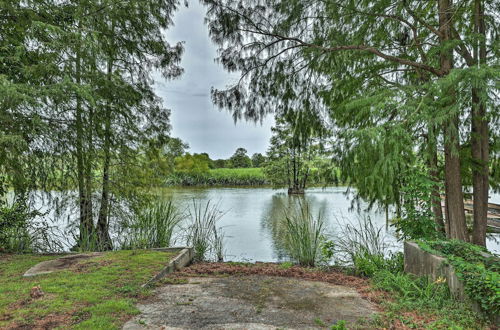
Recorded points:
250,302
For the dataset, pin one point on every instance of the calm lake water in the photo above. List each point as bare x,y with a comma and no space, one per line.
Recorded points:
248,217
249,213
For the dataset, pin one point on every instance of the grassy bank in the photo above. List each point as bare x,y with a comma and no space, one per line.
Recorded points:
220,177
98,293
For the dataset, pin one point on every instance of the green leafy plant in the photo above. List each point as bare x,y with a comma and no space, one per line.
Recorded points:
428,298
20,232
416,221
340,325
479,271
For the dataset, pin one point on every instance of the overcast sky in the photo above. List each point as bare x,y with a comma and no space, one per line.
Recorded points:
194,118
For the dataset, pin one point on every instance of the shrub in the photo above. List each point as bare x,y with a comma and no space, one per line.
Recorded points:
19,232
359,239
417,219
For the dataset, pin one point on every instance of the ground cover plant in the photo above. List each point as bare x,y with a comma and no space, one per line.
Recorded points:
479,270
98,293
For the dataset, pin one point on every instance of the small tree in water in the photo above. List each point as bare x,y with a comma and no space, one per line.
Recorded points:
294,148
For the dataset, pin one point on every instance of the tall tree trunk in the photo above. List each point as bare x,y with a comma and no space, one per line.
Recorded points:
86,224
455,213
102,220
479,139
433,173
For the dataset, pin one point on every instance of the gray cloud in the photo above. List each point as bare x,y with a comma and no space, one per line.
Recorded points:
194,118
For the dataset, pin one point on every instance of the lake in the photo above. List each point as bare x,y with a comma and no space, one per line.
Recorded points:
248,217
249,213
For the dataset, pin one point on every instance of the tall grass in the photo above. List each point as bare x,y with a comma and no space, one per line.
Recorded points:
220,177
303,234
359,238
152,227
364,247
202,234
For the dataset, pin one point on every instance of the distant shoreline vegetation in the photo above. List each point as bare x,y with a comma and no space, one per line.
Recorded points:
219,177
227,177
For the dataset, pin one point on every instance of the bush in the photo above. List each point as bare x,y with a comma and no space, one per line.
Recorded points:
19,232
417,218
219,177
367,264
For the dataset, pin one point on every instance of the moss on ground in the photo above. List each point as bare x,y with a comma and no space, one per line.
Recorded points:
98,293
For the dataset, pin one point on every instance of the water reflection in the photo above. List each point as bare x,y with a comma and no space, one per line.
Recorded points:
274,213
250,221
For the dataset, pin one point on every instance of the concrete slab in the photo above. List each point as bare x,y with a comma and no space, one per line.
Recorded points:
58,264
250,302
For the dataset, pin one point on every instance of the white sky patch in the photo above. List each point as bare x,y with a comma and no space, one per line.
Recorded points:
194,118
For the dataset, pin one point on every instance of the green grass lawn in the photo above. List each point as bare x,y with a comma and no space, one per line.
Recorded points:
98,293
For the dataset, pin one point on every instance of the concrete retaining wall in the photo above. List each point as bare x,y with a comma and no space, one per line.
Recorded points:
184,258
423,263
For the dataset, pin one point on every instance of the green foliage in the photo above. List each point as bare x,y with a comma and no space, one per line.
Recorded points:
220,163
479,271
152,227
367,264
22,230
202,233
303,235
359,239
416,221
339,325
296,155
240,159
432,298
219,177
192,164
258,160
15,222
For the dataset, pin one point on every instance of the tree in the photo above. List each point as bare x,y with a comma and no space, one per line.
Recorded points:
82,78
192,164
220,163
384,71
258,160
294,148
240,159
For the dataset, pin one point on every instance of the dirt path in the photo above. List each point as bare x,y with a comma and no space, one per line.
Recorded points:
250,302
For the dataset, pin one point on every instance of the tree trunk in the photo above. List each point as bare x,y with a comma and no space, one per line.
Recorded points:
455,213
453,184
433,173
102,220
105,242
86,222
479,140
